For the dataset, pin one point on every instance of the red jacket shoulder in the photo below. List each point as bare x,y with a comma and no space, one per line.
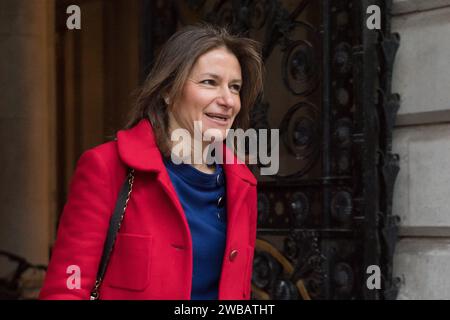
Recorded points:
106,156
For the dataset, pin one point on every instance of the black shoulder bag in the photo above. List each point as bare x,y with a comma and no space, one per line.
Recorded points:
114,226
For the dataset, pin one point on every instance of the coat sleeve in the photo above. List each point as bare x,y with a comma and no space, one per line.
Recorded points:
81,232
253,209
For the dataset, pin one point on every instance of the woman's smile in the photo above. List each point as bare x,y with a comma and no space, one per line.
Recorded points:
218,119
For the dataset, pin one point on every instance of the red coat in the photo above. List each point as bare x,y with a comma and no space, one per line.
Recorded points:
152,257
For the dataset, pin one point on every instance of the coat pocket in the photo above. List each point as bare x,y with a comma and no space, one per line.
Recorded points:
129,265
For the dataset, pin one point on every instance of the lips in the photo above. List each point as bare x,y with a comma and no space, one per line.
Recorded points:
218,117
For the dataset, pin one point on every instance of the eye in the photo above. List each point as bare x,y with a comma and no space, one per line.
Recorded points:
236,87
208,81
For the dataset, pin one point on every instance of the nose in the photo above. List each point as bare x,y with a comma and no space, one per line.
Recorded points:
226,98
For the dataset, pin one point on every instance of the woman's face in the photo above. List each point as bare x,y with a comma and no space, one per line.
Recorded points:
210,94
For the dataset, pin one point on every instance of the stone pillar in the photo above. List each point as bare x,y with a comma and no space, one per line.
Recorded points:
27,137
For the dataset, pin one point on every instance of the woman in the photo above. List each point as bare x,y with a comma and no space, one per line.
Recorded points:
189,229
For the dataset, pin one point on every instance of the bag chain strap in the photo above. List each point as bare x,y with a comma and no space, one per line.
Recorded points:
95,291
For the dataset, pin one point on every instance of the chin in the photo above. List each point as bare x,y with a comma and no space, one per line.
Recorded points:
221,137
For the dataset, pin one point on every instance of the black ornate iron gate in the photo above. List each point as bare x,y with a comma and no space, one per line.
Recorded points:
327,215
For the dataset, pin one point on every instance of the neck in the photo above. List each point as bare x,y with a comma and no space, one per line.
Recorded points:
205,168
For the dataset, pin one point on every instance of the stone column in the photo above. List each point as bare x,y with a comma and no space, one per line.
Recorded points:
27,137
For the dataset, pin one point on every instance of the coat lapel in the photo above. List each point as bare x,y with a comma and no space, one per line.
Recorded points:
138,150
238,179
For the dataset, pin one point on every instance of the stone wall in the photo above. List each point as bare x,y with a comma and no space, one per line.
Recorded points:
422,138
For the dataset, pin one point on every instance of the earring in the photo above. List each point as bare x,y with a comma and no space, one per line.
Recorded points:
167,100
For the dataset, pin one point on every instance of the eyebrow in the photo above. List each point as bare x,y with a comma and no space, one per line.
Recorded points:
215,76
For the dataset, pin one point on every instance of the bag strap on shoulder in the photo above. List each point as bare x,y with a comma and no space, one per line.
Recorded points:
114,226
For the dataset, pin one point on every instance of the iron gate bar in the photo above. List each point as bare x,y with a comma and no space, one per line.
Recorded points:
326,81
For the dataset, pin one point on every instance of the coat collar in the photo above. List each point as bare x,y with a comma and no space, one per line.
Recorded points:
138,150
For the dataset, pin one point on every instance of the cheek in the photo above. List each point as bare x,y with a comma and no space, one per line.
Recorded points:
190,108
198,100
238,107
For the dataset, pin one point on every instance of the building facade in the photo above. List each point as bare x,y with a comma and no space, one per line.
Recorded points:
63,92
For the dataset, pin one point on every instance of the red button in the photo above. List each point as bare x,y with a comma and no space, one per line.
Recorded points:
233,255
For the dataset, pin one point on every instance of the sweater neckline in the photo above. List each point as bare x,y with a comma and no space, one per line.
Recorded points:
193,176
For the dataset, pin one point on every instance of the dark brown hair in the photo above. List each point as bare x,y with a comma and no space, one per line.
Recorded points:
173,66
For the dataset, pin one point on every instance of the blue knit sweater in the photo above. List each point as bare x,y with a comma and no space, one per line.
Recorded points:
202,197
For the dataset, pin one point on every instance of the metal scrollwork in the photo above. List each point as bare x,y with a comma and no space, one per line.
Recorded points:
301,65
296,274
300,133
